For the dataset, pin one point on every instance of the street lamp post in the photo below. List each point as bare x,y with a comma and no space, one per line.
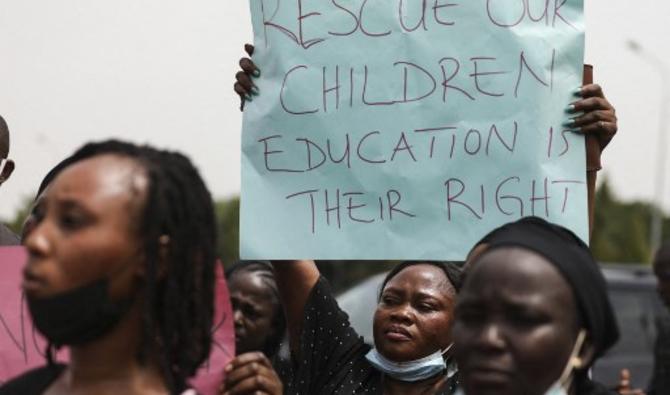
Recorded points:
656,226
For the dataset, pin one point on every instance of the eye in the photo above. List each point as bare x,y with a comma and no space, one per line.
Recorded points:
527,319
70,221
38,212
389,300
426,307
251,313
470,316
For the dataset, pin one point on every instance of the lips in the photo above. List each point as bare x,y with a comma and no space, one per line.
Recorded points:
488,375
31,281
397,333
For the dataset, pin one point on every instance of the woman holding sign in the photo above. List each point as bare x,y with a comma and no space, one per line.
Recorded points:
121,272
533,314
413,345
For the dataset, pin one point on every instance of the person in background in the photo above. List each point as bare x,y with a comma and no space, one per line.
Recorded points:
246,373
412,353
121,272
660,382
7,237
533,314
260,324
260,327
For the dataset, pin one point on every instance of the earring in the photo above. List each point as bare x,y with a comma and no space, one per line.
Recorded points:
577,363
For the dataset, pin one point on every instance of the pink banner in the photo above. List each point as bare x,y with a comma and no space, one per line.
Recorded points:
22,348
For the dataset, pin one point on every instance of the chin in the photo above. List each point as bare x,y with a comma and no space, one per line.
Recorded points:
398,353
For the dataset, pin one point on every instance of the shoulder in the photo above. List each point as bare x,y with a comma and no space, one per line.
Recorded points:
32,382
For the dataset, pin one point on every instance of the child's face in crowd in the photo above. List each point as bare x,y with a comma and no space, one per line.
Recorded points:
414,313
515,324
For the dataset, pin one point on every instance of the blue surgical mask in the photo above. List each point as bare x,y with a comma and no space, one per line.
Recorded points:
410,371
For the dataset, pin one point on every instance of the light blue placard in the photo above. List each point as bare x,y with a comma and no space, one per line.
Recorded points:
439,122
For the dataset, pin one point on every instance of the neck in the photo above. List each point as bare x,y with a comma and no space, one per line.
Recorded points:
428,386
110,364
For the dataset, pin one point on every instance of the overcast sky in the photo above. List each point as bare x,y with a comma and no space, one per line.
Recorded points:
161,71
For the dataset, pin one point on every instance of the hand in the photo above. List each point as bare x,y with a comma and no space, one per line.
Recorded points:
244,85
624,387
251,373
598,118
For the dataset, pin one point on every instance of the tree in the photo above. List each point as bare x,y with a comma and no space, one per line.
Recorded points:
227,223
621,231
16,222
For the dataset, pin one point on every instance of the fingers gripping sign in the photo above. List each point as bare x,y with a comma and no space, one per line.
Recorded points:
244,85
251,373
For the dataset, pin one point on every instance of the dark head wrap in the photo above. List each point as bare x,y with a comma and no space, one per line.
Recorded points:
571,256
452,270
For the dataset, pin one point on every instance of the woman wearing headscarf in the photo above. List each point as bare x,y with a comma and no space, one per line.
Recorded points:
533,315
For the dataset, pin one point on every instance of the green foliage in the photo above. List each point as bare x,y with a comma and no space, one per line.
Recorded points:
227,221
621,229
16,222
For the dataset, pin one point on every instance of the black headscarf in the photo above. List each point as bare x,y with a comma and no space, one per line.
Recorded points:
571,256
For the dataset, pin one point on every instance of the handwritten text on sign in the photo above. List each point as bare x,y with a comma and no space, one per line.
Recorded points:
407,129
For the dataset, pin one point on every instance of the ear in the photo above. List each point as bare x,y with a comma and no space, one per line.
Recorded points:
7,170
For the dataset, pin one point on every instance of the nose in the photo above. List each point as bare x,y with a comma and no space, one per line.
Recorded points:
491,337
402,314
36,239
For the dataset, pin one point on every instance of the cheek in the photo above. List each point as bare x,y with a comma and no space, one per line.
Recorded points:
462,339
377,319
531,350
436,327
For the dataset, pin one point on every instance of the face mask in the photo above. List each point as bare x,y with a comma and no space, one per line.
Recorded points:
409,371
77,316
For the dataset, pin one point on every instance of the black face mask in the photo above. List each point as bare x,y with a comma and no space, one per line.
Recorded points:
77,316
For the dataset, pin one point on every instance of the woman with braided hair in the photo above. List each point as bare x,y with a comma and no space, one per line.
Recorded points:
121,272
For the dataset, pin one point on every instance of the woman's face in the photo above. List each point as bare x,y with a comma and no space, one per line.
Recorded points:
414,313
254,309
84,228
515,324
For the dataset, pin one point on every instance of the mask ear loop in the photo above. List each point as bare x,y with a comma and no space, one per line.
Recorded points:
574,362
446,350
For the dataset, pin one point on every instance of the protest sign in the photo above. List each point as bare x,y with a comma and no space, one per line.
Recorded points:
400,129
22,347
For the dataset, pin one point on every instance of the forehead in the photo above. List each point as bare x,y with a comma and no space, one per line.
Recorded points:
253,283
421,277
516,273
103,179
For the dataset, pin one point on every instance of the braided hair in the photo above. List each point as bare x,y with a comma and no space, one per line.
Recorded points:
178,231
